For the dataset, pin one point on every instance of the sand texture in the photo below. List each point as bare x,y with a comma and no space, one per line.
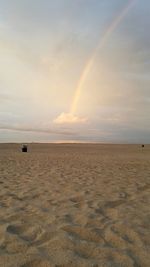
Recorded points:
75,205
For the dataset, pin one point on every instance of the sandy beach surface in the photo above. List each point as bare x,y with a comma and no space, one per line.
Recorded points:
66,205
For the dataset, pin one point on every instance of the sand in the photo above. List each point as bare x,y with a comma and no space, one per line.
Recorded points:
75,205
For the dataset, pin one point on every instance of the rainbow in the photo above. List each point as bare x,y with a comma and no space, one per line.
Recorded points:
101,43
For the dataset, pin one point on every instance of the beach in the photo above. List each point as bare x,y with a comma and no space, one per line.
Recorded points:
67,205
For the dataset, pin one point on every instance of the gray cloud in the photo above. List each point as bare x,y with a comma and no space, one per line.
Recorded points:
6,97
36,130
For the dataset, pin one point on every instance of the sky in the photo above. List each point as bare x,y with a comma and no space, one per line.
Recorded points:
75,71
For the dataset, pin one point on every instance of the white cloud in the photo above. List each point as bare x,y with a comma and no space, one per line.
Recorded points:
69,118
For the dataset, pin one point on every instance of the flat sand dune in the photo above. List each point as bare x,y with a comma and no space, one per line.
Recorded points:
67,205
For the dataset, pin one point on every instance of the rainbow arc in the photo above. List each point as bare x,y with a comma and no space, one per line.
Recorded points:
114,24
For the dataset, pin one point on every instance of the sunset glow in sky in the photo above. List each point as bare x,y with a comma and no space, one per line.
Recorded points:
75,71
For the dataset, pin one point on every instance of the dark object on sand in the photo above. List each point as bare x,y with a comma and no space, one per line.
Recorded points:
24,148
142,145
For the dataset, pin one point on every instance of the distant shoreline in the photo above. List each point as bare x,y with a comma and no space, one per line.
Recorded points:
69,143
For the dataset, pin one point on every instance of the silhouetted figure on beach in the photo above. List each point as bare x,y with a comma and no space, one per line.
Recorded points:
142,145
24,148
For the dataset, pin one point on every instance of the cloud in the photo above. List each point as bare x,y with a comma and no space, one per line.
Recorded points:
4,97
36,130
70,118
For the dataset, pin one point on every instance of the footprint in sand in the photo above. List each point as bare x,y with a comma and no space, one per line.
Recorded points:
26,232
32,234
114,204
127,234
82,233
44,238
37,263
78,202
